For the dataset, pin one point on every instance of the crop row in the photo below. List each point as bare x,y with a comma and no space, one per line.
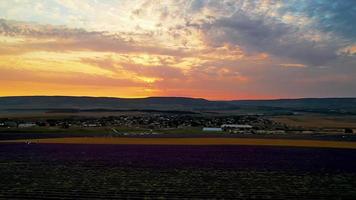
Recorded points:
26,180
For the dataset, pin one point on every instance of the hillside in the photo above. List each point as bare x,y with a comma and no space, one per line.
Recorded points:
301,103
323,105
317,105
66,102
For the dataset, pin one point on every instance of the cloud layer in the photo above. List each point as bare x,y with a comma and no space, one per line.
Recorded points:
213,49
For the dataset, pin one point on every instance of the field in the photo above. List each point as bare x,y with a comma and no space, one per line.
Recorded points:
80,171
318,121
190,141
185,163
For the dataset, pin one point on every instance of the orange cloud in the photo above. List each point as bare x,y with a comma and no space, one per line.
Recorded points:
293,65
172,61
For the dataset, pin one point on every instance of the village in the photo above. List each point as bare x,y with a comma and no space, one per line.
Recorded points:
240,124
244,124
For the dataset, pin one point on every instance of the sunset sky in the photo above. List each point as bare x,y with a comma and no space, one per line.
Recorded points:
217,49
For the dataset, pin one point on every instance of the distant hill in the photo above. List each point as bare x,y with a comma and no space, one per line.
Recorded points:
67,102
318,105
300,103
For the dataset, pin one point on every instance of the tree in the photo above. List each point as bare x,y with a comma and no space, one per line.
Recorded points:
348,130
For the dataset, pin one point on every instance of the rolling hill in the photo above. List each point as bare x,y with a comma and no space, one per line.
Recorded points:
317,105
67,102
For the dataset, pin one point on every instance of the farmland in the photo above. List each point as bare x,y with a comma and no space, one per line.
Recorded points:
190,141
137,152
317,121
81,171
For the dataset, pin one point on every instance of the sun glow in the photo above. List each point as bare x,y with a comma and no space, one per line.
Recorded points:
211,49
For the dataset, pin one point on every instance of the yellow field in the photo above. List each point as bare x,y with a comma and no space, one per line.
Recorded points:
191,141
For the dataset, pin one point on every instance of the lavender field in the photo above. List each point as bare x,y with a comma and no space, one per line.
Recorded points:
35,171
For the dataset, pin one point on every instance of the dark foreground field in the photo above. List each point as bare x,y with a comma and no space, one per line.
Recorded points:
79,171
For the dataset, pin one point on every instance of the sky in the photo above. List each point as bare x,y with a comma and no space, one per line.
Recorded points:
213,49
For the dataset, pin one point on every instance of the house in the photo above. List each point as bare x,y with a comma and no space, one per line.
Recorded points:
212,129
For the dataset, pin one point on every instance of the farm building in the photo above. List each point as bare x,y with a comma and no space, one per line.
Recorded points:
212,129
91,125
236,127
10,124
27,125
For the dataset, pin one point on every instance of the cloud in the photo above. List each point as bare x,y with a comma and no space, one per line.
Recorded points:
261,35
202,48
293,65
273,27
61,38
66,78
349,50
330,16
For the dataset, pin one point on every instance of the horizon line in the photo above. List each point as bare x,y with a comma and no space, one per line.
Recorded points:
266,99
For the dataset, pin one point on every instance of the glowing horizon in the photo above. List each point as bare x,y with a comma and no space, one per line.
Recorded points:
218,50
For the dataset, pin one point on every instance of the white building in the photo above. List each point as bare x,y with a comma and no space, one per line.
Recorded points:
236,126
212,129
91,125
27,125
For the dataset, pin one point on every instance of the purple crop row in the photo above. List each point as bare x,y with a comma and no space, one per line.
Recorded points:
164,156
